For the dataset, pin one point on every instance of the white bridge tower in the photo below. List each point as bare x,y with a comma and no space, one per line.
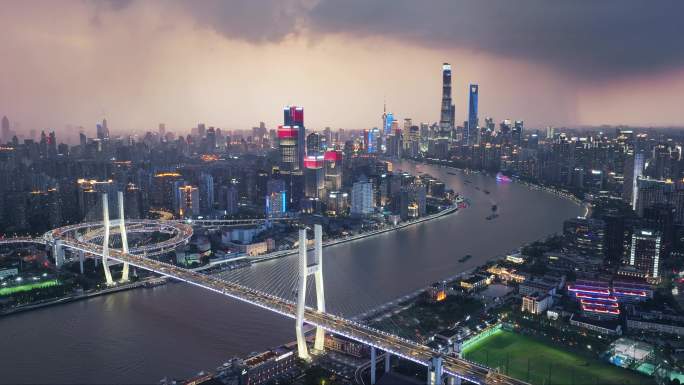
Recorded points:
316,268
105,239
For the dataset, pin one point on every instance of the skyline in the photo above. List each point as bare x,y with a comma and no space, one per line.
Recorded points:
232,65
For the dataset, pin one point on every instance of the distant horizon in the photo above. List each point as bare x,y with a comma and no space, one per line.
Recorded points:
72,137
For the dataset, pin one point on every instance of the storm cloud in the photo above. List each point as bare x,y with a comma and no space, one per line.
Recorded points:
586,38
233,63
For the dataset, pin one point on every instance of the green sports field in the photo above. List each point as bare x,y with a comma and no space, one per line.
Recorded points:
27,287
540,363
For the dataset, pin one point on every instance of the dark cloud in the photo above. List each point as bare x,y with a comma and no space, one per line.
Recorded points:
592,39
255,21
589,38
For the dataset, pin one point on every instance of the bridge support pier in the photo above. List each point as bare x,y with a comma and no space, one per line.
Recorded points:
58,253
435,371
81,258
388,362
452,380
373,365
124,236
302,350
105,241
318,278
304,271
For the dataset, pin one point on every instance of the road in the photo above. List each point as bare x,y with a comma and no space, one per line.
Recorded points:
401,347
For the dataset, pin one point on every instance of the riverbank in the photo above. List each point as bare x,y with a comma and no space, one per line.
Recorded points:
147,282
337,241
176,330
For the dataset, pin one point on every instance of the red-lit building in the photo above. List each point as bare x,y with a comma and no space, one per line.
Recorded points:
291,140
333,170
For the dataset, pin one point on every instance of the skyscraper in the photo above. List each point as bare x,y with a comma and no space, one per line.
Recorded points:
471,134
387,120
517,133
188,202
292,139
585,237
446,118
5,133
645,252
314,176
276,198
206,194
315,144
362,197
103,130
633,170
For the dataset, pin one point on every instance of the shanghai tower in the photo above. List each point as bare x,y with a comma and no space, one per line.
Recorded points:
446,118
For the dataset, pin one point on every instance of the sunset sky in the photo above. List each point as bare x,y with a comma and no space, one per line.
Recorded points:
232,64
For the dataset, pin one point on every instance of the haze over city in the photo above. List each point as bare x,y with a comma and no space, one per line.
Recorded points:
232,64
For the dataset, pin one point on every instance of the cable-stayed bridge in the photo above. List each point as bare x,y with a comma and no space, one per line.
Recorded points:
95,243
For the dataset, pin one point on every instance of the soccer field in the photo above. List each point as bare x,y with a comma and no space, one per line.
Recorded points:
540,363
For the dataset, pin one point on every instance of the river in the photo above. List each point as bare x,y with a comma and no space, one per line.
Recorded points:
175,330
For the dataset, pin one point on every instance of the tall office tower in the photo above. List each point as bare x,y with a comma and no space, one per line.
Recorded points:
362,197
315,144
662,167
412,201
585,237
43,145
517,133
163,191
52,145
661,218
259,133
103,130
374,138
162,131
633,170
490,125
206,194
188,202
287,144
446,117
133,202
471,135
201,130
314,177
5,133
333,170
549,132
211,140
327,133
276,198
231,199
294,122
424,132
644,253
387,121
408,122
651,192
413,142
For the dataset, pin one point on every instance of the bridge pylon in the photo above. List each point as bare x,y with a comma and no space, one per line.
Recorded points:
105,240
435,371
316,268
58,253
124,236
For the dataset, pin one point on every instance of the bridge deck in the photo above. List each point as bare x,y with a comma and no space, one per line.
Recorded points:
398,346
